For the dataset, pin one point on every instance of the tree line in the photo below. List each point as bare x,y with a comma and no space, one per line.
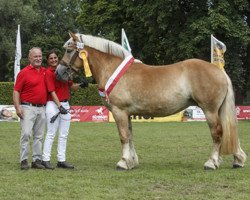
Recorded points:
159,32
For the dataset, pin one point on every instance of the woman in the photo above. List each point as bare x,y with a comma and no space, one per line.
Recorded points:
58,97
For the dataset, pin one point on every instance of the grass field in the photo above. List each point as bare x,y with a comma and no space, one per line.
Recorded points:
171,157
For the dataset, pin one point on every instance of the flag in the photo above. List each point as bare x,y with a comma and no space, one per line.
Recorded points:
125,42
18,55
218,49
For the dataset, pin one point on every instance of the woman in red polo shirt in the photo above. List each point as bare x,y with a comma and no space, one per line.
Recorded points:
58,97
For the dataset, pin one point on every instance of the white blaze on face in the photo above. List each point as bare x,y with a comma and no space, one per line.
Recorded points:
66,44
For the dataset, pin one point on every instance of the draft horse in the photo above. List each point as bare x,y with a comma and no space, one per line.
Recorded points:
134,88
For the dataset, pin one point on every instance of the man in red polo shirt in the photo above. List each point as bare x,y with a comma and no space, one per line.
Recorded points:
30,96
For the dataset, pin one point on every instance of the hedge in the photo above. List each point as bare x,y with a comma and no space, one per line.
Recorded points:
6,91
86,97
83,97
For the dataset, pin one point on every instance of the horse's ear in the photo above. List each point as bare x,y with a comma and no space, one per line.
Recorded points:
73,36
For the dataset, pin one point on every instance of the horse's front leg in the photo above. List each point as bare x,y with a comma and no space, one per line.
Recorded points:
129,157
131,143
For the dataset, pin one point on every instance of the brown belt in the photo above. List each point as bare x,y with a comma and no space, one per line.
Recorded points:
64,100
32,104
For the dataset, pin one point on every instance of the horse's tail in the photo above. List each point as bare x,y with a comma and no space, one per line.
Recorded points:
230,141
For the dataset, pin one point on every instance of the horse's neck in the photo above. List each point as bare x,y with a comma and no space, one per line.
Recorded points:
102,65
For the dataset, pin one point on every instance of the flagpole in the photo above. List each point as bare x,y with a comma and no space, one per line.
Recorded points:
122,37
212,48
18,55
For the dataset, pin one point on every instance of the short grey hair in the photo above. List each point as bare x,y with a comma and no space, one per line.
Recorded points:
33,48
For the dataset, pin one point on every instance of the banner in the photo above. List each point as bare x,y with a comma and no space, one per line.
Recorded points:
243,112
125,42
102,114
172,118
218,49
8,113
194,113
89,114
18,55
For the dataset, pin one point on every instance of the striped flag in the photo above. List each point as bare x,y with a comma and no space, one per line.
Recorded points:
125,42
218,49
18,55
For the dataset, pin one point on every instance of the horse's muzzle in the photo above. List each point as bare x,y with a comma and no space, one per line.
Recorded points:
63,73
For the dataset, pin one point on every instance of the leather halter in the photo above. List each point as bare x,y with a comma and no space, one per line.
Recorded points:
71,62
73,58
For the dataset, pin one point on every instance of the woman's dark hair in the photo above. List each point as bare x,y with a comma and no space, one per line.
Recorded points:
50,52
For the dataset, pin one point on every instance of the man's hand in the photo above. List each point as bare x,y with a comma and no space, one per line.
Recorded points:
63,110
19,111
84,83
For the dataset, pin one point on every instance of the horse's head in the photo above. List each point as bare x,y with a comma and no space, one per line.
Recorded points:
72,60
76,56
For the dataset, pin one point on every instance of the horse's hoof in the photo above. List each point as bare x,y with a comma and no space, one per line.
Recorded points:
236,166
208,168
118,168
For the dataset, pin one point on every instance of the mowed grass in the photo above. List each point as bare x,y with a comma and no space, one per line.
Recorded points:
171,157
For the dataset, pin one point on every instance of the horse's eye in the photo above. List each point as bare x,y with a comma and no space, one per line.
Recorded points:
69,50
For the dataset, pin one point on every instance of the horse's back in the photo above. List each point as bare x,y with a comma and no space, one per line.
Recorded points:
184,74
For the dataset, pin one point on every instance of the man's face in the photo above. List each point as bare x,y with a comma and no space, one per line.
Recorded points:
35,57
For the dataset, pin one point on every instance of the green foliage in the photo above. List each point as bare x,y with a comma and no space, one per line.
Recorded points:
224,19
42,23
164,32
101,18
6,91
86,97
12,13
58,17
47,43
161,32
83,97
171,157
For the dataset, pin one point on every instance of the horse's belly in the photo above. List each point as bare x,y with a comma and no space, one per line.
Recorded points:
158,110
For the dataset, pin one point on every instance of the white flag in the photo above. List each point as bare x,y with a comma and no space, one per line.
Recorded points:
218,49
125,42
18,55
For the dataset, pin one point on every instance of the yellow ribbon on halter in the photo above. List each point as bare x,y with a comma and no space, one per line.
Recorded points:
83,55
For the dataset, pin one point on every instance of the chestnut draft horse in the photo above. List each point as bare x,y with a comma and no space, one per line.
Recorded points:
134,88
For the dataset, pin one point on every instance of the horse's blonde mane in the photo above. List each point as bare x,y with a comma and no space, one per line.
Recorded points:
102,45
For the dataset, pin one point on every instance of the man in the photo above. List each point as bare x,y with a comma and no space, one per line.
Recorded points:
29,96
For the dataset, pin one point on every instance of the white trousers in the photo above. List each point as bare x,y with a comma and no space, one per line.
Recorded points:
61,124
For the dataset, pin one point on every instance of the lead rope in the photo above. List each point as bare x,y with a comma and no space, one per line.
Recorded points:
53,119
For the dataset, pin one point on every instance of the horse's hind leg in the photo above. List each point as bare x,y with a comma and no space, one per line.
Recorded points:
216,133
129,157
239,158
